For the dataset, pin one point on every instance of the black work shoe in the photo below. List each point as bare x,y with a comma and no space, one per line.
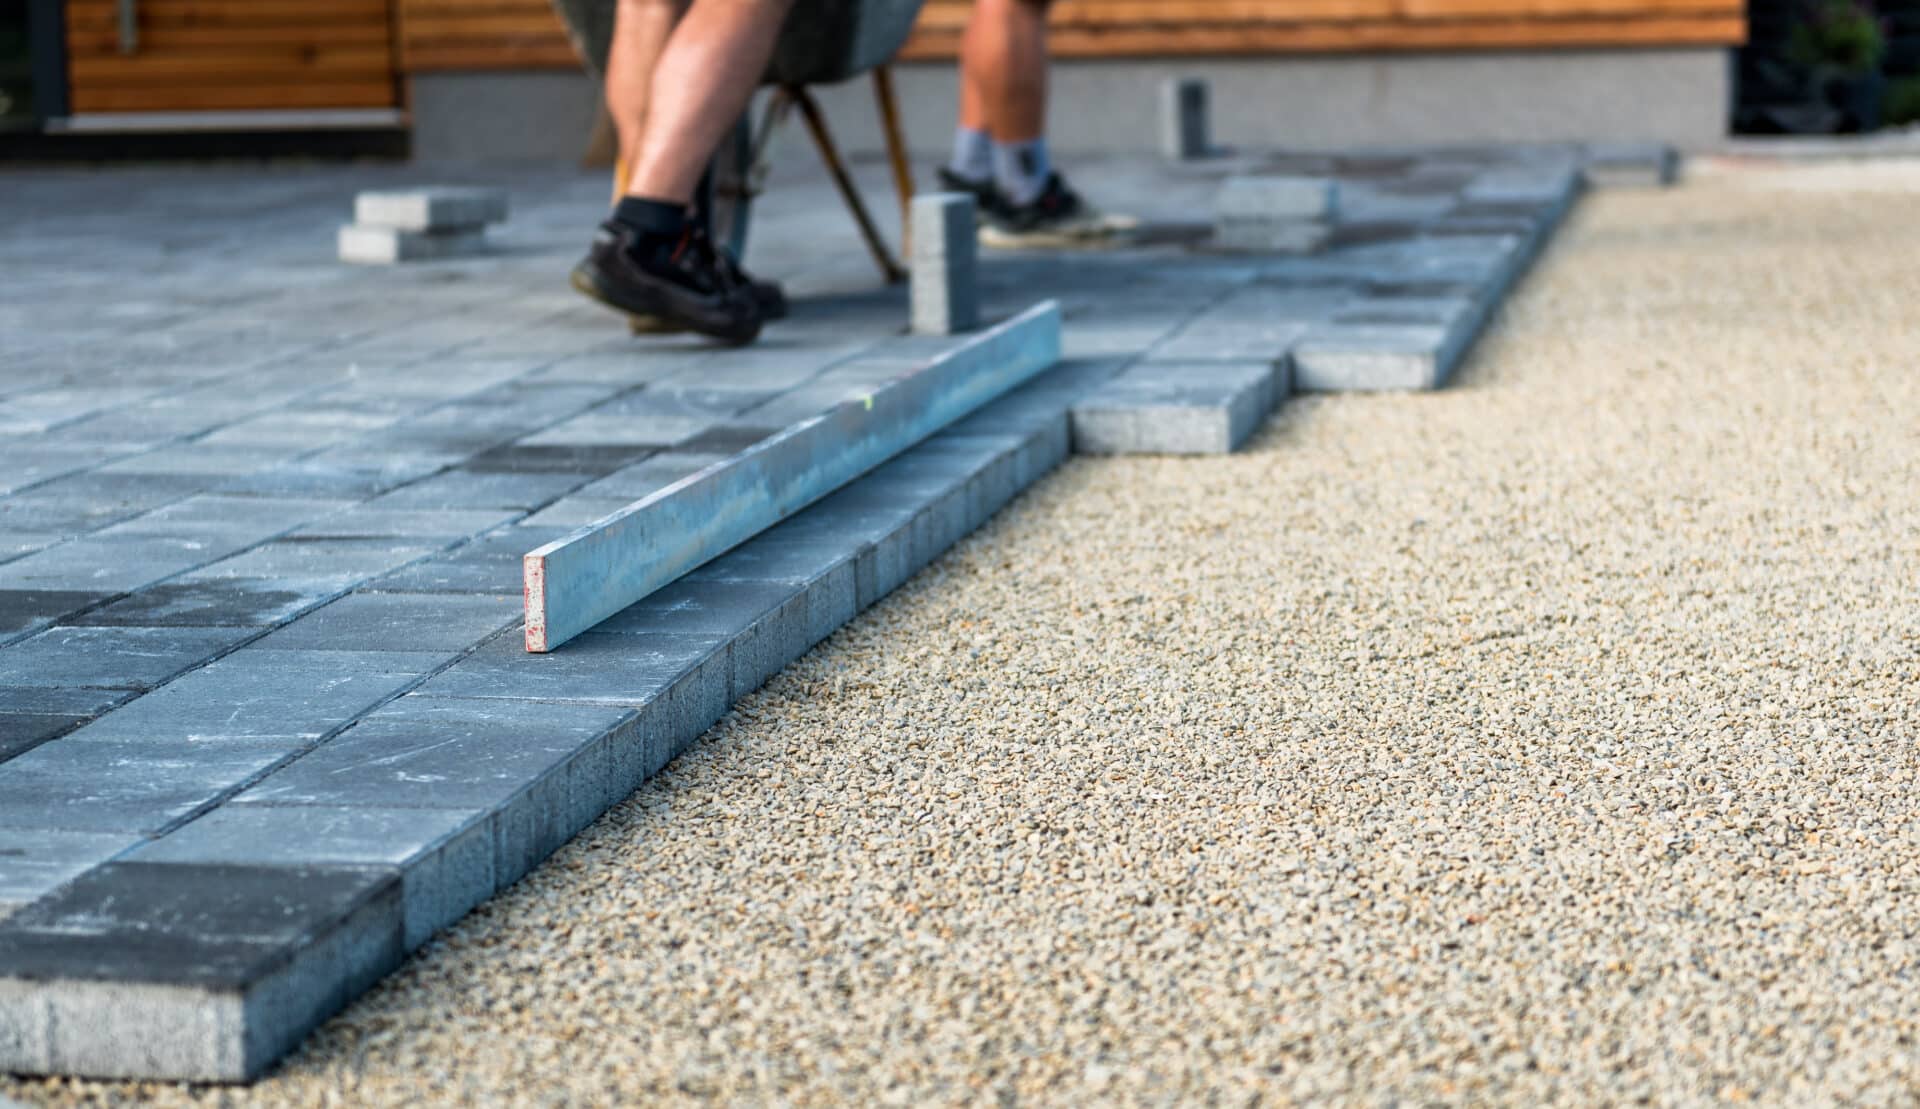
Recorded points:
1056,217
771,298
682,282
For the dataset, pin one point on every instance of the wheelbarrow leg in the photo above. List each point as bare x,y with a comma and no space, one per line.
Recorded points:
817,127
896,147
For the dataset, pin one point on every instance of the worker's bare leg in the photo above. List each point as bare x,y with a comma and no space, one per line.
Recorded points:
704,80
640,32
649,260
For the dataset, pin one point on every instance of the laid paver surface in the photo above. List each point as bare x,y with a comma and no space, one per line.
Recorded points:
1544,739
271,511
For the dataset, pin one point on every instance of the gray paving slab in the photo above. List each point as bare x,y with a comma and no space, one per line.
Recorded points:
214,602
444,856
264,695
21,732
136,785
131,658
536,771
40,860
143,968
1177,408
388,621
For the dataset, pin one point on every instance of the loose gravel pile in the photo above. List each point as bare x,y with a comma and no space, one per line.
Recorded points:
1547,739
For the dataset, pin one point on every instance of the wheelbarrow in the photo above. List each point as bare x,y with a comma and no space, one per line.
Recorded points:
822,42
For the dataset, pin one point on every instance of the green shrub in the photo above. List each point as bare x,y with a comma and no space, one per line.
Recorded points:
1902,104
1838,37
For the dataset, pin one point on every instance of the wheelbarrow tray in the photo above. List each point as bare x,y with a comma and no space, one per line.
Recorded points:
821,42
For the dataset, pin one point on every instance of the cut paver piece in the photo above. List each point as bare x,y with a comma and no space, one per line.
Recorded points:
1176,408
435,208
575,583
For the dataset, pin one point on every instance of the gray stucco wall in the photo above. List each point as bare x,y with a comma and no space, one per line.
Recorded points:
1678,96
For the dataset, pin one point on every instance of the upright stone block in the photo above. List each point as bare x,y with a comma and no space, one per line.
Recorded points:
1184,130
945,251
1264,213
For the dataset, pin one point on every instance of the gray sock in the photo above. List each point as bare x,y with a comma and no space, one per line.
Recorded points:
972,155
1021,169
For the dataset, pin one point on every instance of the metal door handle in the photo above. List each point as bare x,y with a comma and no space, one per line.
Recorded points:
129,11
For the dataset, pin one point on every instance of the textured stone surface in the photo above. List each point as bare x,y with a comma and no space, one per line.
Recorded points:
350,462
1176,408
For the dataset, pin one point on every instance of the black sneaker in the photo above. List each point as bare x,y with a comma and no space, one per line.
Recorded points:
685,284
1057,217
986,198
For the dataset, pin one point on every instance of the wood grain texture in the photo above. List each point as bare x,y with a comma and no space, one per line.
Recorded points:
518,34
197,55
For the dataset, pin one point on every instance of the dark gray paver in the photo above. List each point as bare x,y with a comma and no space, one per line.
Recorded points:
21,732
156,968
261,694
113,658
398,622
444,855
24,611
140,785
222,602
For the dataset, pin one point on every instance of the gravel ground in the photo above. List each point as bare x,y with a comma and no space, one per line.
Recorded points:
1546,739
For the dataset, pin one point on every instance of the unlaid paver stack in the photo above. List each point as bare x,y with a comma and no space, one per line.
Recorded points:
418,225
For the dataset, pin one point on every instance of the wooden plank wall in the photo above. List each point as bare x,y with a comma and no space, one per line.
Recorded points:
225,55
1153,28
508,34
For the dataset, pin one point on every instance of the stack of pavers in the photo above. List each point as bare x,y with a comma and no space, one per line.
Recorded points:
409,225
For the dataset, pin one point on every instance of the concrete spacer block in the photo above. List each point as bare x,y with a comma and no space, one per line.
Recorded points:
383,246
1184,130
1171,408
944,293
434,208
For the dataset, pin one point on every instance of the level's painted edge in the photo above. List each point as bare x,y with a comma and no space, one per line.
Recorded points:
582,579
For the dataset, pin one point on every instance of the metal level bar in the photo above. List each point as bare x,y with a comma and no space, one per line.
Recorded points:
576,582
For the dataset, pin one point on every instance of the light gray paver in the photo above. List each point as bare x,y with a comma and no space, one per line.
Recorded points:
433,208
379,246
1275,213
1176,408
